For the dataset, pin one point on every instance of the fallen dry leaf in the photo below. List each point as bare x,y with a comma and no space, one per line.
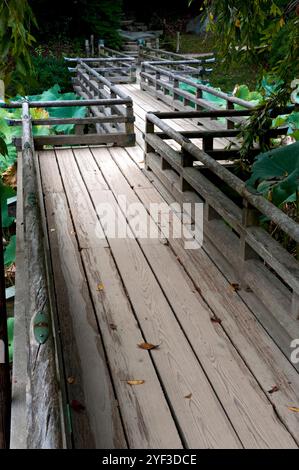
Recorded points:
71,380
235,286
273,389
188,396
294,408
9,176
100,286
135,382
216,320
148,346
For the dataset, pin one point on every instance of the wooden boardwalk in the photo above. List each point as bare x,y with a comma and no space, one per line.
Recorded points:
209,383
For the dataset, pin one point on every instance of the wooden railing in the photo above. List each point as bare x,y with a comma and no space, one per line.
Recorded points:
184,67
232,213
41,404
149,53
108,52
117,68
166,86
112,127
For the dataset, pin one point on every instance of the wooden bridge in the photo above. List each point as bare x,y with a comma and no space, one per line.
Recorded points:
153,345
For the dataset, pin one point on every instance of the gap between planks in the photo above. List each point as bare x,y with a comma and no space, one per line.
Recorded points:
258,350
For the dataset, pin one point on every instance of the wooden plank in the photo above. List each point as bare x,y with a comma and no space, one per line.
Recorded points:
145,412
49,169
256,347
86,372
88,231
144,103
247,406
84,359
147,425
175,361
274,314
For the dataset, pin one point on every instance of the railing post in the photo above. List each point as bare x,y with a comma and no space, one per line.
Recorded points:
129,125
87,48
149,129
158,76
250,217
186,161
207,144
230,123
175,94
198,96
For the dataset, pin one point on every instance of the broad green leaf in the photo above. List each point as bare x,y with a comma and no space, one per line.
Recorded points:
10,251
10,334
5,193
275,174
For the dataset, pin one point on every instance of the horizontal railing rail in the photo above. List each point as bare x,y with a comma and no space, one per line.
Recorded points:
190,67
44,410
120,69
112,118
168,87
89,84
148,53
232,211
108,52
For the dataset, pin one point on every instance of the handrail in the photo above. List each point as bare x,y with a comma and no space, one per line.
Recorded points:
232,212
197,86
120,69
41,353
66,103
106,82
161,52
288,225
99,59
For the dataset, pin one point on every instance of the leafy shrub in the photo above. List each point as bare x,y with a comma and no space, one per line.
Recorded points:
47,72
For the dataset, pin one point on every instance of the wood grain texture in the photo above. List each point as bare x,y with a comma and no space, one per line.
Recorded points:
147,426
256,347
44,427
247,406
99,424
175,361
19,372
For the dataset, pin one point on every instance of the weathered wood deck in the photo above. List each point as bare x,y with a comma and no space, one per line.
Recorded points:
207,384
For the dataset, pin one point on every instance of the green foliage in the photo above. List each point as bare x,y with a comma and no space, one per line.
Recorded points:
256,128
47,71
3,146
54,94
103,18
79,19
275,174
10,251
243,92
290,120
15,41
5,193
10,335
257,27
